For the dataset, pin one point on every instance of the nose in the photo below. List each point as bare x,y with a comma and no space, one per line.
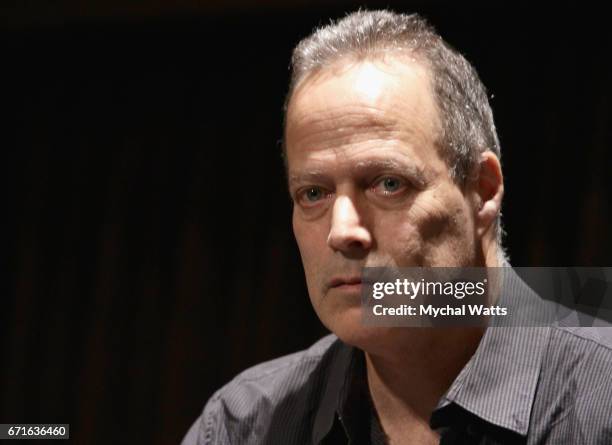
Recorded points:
347,232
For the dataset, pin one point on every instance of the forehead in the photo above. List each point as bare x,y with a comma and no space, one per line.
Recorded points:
353,104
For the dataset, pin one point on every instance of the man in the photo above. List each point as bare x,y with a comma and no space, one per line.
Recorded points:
393,160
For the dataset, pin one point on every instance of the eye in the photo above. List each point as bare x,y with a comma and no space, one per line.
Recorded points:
310,196
389,185
313,194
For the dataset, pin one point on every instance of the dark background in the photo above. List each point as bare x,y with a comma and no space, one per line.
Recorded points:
148,248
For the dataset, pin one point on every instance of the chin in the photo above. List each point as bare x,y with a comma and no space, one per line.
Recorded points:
349,328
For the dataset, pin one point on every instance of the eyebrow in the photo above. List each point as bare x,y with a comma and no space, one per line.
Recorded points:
411,170
308,176
414,172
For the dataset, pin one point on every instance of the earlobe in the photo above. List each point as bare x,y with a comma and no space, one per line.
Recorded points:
489,211
490,191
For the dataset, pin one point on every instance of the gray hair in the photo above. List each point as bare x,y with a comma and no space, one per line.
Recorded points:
468,128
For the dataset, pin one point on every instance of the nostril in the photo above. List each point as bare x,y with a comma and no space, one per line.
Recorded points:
357,239
357,245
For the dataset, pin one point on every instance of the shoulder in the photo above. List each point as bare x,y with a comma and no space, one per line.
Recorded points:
267,396
575,382
601,337
580,345
582,357
281,369
583,353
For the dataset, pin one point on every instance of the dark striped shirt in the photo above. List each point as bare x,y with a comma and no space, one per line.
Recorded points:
523,385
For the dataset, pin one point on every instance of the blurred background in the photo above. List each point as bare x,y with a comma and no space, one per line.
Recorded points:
147,250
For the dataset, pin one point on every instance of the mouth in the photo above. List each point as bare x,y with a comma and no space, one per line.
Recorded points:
346,283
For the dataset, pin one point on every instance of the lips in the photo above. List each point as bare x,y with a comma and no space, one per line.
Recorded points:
344,281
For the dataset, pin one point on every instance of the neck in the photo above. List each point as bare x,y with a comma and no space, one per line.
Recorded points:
406,384
411,378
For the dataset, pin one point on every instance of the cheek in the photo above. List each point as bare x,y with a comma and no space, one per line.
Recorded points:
434,230
311,240
308,238
398,241
447,231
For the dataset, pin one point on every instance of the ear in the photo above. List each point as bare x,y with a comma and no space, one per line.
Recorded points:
489,190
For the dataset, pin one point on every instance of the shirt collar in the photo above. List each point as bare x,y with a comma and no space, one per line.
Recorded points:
346,399
499,382
338,376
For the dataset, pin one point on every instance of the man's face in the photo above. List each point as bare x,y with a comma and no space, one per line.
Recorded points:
368,185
